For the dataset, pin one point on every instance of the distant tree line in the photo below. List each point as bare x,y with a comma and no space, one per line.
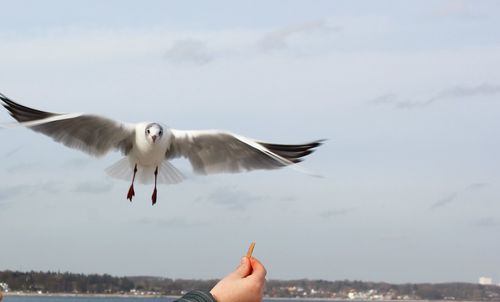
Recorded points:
56,282
64,282
425,291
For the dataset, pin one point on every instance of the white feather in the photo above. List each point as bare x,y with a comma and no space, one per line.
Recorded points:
124,170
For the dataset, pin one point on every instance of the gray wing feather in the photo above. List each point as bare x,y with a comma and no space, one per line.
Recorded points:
91,134
221,152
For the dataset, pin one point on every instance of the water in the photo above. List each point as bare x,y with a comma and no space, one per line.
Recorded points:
106,299
82,299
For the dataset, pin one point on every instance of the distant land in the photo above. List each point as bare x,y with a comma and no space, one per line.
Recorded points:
26,283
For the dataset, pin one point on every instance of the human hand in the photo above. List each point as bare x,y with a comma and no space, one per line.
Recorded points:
245,284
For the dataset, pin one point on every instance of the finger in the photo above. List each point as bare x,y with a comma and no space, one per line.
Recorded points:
244,269
258,270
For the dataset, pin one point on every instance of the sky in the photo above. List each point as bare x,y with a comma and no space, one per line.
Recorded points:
406,94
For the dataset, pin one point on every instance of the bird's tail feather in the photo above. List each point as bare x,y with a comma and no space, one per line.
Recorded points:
124,169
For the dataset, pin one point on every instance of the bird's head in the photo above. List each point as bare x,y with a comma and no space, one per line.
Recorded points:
154,132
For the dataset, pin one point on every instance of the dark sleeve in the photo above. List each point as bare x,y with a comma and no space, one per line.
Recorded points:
196,296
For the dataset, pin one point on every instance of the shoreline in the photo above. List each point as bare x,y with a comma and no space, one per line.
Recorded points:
125,296
23,294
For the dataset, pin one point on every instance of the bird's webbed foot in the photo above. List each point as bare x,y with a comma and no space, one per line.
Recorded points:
131,193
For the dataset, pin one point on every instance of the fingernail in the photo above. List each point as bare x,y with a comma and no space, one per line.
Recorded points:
243,260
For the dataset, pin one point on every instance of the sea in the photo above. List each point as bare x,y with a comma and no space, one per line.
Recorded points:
112,299
82,299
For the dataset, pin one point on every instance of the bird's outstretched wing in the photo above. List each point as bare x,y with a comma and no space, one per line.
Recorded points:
221,152
91,134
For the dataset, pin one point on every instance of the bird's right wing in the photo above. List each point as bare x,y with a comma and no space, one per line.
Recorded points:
91,134
221,152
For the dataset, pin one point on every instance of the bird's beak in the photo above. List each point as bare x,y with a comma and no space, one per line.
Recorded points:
154,138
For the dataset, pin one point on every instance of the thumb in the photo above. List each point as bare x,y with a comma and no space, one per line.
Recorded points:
244,269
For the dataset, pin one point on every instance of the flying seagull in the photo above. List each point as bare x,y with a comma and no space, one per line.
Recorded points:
149,146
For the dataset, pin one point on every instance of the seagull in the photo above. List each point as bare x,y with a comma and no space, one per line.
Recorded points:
149,146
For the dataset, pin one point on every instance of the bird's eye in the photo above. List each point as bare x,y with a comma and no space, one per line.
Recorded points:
161,132
147,131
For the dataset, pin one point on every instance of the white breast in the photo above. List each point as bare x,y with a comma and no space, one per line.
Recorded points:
145,153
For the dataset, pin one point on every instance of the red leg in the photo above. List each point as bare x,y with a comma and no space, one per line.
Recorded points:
153,198
131,192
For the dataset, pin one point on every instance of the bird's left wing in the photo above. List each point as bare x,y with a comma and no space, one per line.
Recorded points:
221,152
91,134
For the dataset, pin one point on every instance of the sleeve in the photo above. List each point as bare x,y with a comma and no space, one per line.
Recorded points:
197,296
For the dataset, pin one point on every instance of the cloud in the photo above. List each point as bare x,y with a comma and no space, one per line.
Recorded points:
476,186
10,192
455,195
23,167
279,39
412,104
384,99
175,222
456,8
238,43
189,51
288,198
337,213
463,91
3,196
231,197
12,152
395,238
483,89
198,47
93,187
48,187
486,222
76,163
243,42
444,201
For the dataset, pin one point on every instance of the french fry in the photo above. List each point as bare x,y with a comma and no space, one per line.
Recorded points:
250,249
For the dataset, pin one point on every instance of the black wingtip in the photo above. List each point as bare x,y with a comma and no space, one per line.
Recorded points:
294,153
5,101
3,98
320,141
22,113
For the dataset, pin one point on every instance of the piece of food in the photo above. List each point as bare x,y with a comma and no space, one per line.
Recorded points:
250,249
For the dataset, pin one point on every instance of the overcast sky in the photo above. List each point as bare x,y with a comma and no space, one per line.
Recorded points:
407,94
